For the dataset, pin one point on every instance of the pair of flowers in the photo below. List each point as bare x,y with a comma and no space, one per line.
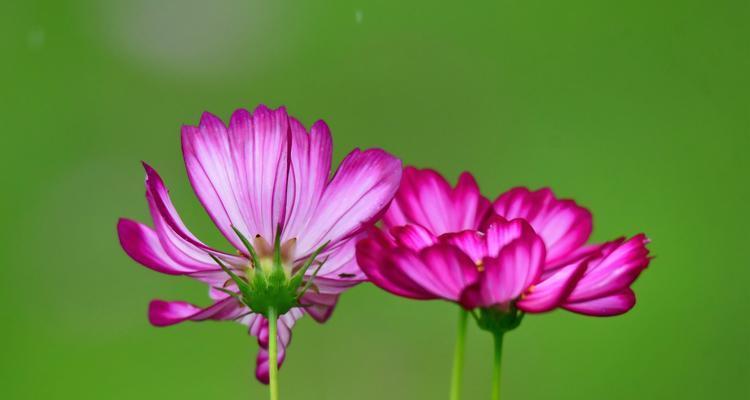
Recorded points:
303,238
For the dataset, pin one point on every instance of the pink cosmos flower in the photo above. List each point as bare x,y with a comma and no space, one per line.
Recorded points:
527,251
264,177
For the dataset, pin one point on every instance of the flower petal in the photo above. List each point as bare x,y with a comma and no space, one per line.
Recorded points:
553,290
359,192
166,313
614,304
340,270
173,234
413,237
427,199
563,225
507,276
613,270
472,243
142,245
373,257
259,328
500,232
308,176
240,173
441,270
319,305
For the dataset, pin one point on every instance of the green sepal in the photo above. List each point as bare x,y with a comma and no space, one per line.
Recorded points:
499,321
272,290
241,284
229,292
300,274
248,246
312,278
277,248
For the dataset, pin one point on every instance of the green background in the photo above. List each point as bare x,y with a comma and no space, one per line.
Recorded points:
638,110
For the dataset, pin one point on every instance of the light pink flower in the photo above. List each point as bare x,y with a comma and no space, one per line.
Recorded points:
526,251
266,176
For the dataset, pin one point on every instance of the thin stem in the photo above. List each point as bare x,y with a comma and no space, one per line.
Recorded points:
498,361
458,355
273,368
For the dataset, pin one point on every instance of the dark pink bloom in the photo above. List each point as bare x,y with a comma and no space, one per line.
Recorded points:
526,250
266,176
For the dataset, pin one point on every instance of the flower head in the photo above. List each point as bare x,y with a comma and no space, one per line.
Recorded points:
264,181
526,252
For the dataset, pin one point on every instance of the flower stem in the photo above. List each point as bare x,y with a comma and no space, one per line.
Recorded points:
498,361
273,368
458,355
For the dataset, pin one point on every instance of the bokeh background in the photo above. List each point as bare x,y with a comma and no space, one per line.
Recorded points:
639,110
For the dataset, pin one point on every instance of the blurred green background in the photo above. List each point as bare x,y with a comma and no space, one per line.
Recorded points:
639,110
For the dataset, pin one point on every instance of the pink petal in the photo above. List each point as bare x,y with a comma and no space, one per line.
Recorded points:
240,173
308,176
563,225
259,328
373,257
359,192
500,232
173,235
506,277
340,270
413,237
472,243
614,304
319,305
441,270
553,290
165,313
425,198
142,245
614,270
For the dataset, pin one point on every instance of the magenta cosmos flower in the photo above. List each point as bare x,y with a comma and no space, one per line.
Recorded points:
264,177
525,253
527,250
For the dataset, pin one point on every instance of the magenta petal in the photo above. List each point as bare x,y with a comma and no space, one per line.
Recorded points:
518,266
308,176
174,236
471,297
259,328
553,290
142,245
373,257
239,173
413,237
441,269
615,269
615,304
563,225
320,306
165,313
472,243
360,190
427,199
500,232
340,270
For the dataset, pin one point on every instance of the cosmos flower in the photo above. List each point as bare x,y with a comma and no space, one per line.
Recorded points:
525,252
264,181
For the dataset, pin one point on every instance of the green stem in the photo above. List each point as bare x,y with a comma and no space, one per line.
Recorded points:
458,355
273,368
498,361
